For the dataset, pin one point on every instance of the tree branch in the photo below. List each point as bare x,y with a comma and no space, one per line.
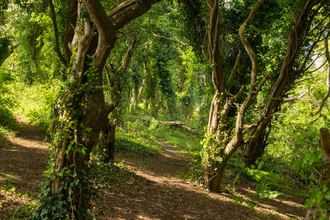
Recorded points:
166,38
247,45
13,47
255,68
327,94
57,45
234,70
129,10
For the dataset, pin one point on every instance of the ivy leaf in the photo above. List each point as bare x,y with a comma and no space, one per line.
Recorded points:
250,205
260,164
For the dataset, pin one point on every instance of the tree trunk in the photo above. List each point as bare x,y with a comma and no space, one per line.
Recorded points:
116,89
110,140
141,91
325,146
302,25
219,148
83,112
255,148
146,104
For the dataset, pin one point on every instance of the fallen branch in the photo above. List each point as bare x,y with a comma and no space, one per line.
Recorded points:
181,125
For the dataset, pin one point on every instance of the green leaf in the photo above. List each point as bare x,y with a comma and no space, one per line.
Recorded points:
260,164
250,205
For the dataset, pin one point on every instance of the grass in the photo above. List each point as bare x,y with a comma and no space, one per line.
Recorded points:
8,123
35,102
133,136
139,133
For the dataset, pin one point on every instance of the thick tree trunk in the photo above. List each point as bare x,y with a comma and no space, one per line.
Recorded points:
81,107
255,148
220,148
302,25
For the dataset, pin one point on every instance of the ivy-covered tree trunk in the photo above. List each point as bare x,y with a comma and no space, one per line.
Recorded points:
218,147
83,113
221,142
287,76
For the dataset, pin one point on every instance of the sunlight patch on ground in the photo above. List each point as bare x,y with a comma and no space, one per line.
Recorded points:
8,177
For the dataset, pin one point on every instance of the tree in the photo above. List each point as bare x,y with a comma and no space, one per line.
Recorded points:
81,109
115,85
221,142
297,62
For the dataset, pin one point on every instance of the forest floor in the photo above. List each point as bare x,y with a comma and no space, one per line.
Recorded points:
145,187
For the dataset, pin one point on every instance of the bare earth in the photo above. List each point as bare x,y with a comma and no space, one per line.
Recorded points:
154,189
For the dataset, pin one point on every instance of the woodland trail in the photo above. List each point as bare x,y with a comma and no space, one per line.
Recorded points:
23,160
152,188
156,190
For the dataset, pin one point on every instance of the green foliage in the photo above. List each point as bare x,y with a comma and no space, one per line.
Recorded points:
133,137
164,50
36,101
25,204
4,48
192,15
7,118
265,182
189,76
54,206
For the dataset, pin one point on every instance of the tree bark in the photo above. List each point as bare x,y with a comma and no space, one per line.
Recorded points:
141,91
301,26
81,106
221,148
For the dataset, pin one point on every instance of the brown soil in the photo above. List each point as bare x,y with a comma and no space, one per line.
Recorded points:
23,160
154,189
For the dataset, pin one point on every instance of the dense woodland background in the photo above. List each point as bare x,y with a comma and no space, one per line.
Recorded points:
241,87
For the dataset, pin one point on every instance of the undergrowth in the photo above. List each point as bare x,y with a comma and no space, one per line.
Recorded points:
140,133
7,118
13,203
36,102
133,136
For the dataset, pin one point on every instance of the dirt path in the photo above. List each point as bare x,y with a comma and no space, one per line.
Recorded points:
23,160
153,189
156,191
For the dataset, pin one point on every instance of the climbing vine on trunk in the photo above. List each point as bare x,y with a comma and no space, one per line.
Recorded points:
221,143
81,111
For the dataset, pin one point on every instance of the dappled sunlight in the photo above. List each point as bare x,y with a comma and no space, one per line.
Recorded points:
277,203
13,201
24,158
154,198
158,192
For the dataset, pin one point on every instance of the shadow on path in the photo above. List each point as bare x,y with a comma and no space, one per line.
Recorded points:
155,191
24,158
